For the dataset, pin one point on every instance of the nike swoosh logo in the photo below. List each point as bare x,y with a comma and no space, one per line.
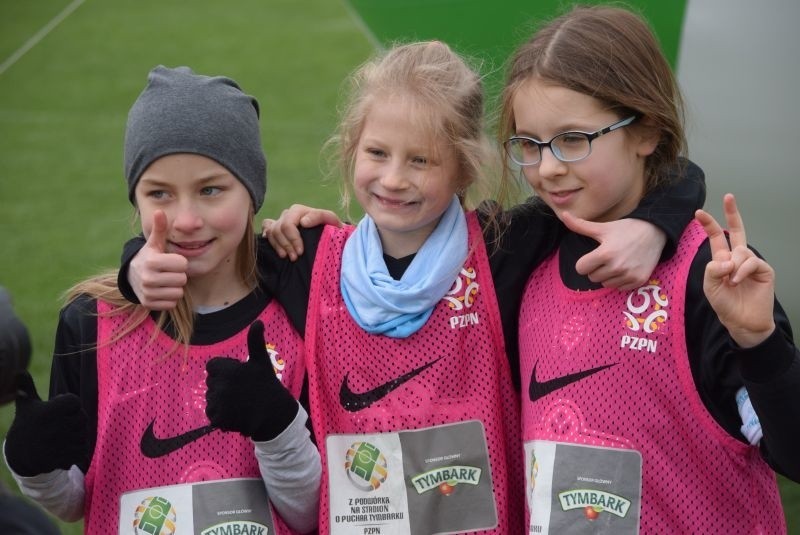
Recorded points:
154,447
356,401
539,389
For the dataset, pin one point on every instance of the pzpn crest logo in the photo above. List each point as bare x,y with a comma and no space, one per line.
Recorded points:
460,299
646,307
646,315
278,364
462,294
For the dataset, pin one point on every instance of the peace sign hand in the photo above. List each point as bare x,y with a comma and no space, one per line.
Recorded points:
739,285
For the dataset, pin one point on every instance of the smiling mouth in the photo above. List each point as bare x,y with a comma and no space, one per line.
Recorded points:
189,247
192,245
563,193
393,202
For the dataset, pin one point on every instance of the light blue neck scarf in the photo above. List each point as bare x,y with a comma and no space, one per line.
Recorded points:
399,308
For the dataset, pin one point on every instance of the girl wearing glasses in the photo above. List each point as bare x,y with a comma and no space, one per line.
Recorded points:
664,409
413,400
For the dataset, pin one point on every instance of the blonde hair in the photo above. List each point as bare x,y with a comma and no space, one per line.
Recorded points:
103,286
447,96
612,55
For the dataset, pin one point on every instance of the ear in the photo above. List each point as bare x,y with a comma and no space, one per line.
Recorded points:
647,137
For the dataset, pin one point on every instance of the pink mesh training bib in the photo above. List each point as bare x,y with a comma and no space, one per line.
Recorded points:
617,439
417,435
152,431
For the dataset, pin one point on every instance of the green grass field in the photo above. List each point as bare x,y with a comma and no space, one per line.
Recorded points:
63,102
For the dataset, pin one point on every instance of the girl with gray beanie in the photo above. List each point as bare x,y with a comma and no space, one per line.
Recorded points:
147,426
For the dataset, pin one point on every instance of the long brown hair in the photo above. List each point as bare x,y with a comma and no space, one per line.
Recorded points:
611,54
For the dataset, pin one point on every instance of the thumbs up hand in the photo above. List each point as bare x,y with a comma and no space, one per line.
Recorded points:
156,276
46,435
247,397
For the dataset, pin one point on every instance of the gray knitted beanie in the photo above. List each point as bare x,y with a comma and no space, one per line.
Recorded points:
182,112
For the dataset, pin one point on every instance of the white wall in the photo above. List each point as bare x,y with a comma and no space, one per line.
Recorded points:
739,68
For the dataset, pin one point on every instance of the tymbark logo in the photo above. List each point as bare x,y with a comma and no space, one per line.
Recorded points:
596,500
445,478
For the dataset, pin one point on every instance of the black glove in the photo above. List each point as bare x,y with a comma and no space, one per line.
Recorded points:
246,396
46,435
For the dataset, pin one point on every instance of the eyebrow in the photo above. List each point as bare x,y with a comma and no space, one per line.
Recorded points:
569,127
420,150
158,181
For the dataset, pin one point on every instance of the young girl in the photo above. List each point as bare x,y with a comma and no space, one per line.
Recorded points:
630,420
412,396
146,428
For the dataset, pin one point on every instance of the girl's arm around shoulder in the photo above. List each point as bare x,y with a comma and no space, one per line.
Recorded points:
279,270
671,206
520,238
284,233
528,232
289,281
630,248
517,241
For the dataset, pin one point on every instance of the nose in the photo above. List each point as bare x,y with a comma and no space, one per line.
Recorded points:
394,177
550,166
186,218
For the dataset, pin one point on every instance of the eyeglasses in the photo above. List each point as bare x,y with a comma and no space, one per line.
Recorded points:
567,147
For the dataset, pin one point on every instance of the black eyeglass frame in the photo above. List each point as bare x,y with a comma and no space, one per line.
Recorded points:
590,136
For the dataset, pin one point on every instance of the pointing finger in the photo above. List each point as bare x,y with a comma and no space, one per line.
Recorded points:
582,226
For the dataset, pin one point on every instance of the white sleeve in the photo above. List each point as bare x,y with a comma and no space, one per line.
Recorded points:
290,467
61,492
751,425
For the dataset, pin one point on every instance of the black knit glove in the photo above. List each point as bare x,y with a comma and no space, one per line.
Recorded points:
246,396
46,435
